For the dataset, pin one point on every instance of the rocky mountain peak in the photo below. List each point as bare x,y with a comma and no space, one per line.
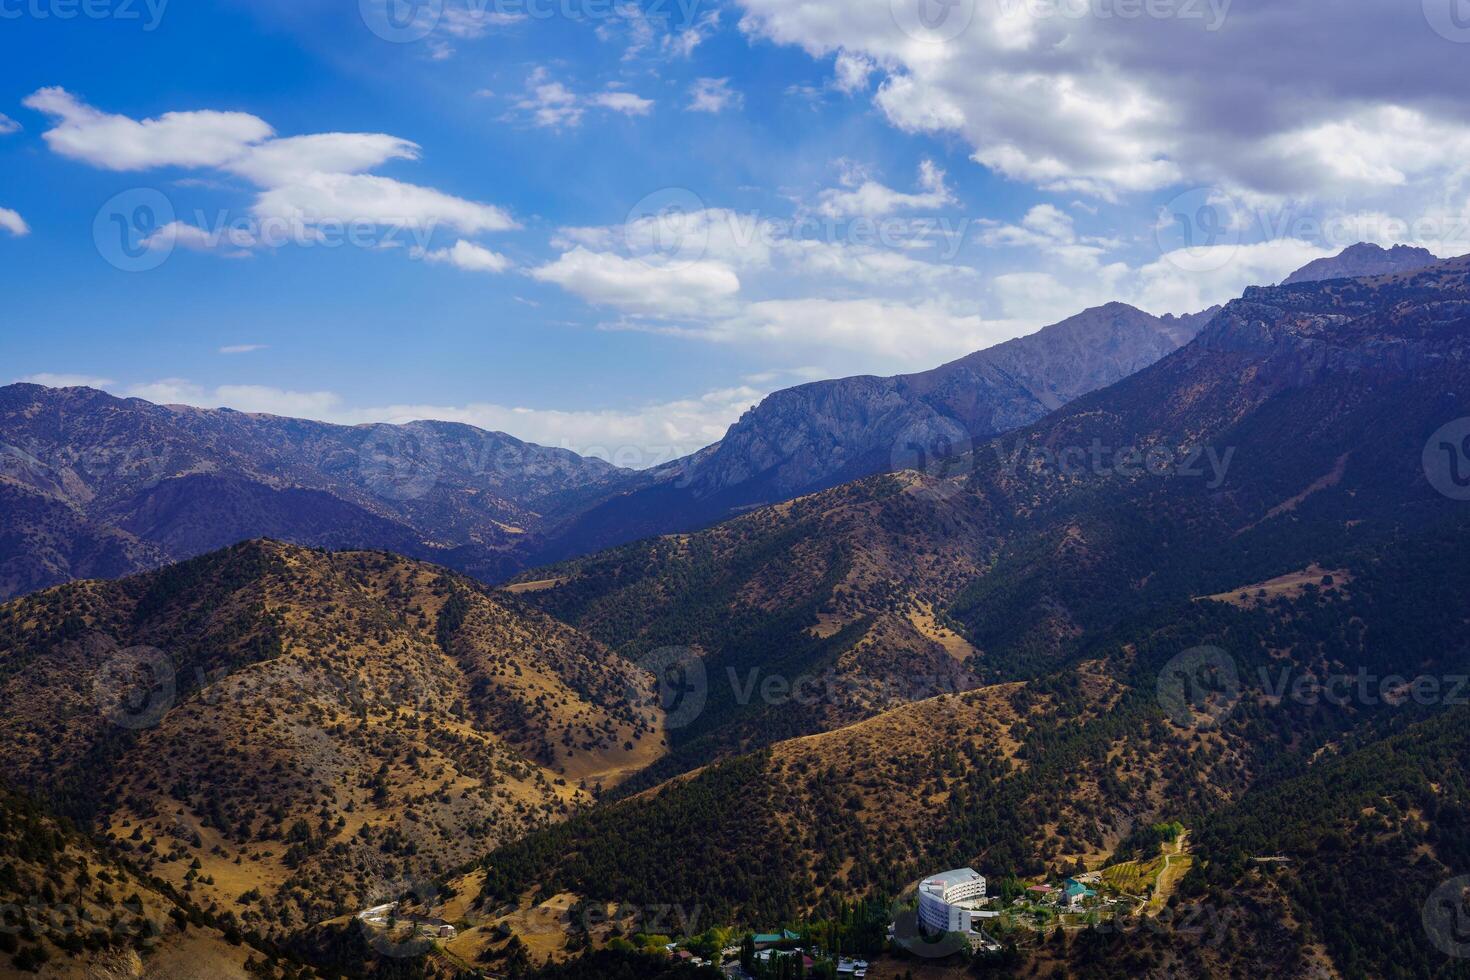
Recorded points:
1363,259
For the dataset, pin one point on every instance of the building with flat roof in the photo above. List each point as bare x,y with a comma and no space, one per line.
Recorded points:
950,902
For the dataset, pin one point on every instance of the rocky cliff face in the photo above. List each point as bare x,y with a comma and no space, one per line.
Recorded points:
1363,259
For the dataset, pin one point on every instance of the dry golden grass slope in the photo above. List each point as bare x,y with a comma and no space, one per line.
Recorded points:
290,735
67,910
989,777
839,589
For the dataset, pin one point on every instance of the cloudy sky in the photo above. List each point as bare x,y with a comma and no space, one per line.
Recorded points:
613,225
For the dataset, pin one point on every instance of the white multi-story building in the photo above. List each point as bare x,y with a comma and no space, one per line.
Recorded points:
950,902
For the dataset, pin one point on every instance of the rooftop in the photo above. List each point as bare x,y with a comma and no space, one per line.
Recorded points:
936,884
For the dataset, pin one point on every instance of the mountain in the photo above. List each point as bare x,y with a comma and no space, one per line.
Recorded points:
1295,424
818,435
1363,259
97,486
92,485
839,590
1281,489
1292,428
993,661
287,735
1070,769
66,903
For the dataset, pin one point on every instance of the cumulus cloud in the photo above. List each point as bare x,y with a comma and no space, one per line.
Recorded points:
713,95
233,243
681,44
552,105
474,21
304,181
51,380
798,288
903,335
1205,93
174,139
282,161
751,243
1195,279
625,102
262,399
467,256
1080,273
852,72
863,264
872,200
8,125
12,222
637,285
378,200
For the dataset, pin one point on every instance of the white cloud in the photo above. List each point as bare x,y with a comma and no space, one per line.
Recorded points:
552,105
1110,105
863,264
632,23
51,380
872,199
625,102
902,335
230,243
282,161
1195,279
1051,230
727,276
638,438
306,181
751,243
175,139
243,398
12,222
475,21
1182,280
642,286
469,257
368,198
242,348
8,125
852,72
713,95
682,43
1371,149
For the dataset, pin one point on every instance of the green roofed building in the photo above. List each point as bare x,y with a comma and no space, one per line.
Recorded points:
1075,892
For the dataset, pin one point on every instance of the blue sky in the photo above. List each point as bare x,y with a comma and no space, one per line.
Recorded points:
611,226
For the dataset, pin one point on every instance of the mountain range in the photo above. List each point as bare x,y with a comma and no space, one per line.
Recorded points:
886,662
100,486
1321,550
94,485
818,435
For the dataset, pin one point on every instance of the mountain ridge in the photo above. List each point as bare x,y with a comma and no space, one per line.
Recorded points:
286,734
150,484
1362,260
817,435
